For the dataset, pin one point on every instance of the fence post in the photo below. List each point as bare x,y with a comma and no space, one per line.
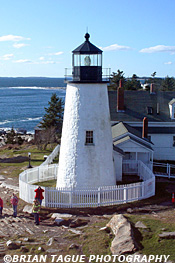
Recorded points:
124,195
99,201
169,171
138,169
46,197
26,176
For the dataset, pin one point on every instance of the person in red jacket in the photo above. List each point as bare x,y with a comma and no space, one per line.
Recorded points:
1,206
39,194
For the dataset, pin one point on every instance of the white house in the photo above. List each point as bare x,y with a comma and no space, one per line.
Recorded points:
130,145
159,108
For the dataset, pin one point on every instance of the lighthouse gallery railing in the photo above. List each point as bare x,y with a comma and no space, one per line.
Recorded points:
87,197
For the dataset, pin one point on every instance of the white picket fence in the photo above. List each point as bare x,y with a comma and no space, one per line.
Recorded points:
87,197
137,168
164,170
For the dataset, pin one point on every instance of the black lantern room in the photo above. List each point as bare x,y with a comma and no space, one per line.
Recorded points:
87,62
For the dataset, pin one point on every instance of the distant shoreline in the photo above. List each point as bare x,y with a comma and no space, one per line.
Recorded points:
32,82
33,87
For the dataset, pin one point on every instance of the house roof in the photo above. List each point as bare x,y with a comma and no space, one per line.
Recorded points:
117,149
123,132
160,130
126,138
123,128
138,104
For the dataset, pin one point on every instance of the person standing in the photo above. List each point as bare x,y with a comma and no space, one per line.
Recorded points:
39,194
1,206
14,202
35,210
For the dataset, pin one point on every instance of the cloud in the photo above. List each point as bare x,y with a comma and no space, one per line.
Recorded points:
23,61
116,47
7,56
17,45
44,62
168,63
56,54
12,38
41,61
48,62
158,48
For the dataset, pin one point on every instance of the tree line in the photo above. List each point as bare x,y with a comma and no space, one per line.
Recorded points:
133,83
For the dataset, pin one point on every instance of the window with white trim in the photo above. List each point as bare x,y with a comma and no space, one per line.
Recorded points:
89,137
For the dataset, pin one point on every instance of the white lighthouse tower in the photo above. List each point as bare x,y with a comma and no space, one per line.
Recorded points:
86,152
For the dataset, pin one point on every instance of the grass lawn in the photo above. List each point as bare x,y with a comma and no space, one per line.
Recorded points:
50,183
152,244
13,168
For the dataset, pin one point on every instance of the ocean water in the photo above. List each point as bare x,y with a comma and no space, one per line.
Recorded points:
23,107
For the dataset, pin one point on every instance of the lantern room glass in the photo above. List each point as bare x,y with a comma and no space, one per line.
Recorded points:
80,60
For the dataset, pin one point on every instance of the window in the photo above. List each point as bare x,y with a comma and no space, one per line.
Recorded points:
174,141
149,110
89,137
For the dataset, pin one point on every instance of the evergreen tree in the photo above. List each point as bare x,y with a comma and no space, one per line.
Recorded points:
116,77
133,83
168,83
51,123
53,117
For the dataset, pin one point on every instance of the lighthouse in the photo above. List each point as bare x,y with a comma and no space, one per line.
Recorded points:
86,152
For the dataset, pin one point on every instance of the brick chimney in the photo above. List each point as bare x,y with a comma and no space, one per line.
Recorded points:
120,97
152,88
145,128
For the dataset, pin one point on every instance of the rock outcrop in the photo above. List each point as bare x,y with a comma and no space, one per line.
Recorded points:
123,241
139,224
167,235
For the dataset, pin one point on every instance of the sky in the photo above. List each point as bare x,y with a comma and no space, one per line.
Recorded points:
38,36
